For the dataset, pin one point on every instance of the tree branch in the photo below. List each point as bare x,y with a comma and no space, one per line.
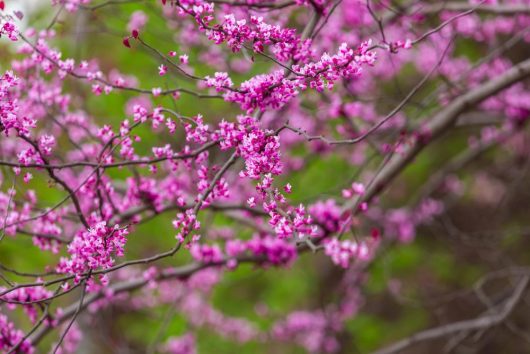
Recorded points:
482,322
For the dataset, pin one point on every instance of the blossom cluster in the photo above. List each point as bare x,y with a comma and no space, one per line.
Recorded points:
309,330
343,252
29,297
296,89
94,249
10,336
184,344
9,119
274,90
274,251
8,29
347,63
284,42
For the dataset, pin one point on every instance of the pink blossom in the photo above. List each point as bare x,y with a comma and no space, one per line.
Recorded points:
93,249
181,345
219,81
9,336
162,70
343,252
183,59
137,21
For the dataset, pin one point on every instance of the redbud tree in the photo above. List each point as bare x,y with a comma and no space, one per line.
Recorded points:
206,176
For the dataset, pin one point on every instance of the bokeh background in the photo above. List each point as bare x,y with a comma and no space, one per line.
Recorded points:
408,288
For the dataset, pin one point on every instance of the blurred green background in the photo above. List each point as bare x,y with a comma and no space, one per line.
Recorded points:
433,275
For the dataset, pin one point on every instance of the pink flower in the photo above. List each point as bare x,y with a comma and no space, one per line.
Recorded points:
220,81
9,335
206,253
93,249
27,177
181,345
137,21
343,252
251,202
